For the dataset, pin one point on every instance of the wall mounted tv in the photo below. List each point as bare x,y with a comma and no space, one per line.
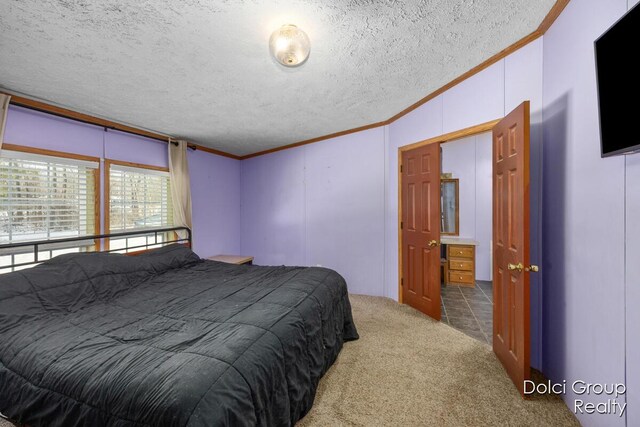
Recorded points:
619,85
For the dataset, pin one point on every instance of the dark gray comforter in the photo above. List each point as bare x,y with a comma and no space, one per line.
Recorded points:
166,339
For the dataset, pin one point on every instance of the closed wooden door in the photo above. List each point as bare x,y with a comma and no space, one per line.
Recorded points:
511,336
421,229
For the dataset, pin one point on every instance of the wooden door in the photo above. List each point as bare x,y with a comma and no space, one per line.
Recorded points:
511,339
421,229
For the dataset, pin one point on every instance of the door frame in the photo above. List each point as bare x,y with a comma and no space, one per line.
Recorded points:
441,139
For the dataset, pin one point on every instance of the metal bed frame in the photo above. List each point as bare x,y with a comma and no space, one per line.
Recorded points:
21,248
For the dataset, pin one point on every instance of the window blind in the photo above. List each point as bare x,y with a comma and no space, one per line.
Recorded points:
139,199
45,197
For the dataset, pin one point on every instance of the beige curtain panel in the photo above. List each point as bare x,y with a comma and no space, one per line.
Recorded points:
180,184
4,109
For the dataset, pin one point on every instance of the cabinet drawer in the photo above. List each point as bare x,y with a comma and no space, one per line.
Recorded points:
461,264
465,277
456,251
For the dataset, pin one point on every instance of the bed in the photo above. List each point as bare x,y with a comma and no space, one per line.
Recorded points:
166,339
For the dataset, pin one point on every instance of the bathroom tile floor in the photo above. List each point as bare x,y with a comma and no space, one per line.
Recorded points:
469,310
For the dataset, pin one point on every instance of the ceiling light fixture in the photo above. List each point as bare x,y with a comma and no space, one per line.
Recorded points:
289,45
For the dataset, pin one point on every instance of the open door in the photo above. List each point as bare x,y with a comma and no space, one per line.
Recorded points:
420,227
511,335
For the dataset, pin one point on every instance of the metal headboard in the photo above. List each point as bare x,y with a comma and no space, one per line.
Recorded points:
36,246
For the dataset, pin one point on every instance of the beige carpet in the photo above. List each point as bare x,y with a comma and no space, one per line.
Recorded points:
407,369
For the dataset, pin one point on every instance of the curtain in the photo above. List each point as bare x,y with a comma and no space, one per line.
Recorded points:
4,109
180,184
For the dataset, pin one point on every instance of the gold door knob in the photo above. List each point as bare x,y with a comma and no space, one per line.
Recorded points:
515,267
532,268
433,243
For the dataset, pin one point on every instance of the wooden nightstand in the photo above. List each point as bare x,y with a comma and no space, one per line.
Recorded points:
233,259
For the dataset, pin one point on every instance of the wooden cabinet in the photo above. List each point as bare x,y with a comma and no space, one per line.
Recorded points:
461,260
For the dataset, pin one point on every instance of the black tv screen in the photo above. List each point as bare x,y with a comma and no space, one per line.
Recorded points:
619,85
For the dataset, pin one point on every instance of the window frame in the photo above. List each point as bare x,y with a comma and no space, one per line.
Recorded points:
97,172
107,188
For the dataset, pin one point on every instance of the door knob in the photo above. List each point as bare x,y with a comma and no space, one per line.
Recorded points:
515,267
433,243
532,268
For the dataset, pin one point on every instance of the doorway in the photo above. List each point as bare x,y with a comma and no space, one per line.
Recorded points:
466,235
421,237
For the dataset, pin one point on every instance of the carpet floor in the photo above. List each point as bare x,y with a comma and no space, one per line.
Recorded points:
407,369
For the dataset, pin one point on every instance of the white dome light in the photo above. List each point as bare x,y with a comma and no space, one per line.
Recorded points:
289,45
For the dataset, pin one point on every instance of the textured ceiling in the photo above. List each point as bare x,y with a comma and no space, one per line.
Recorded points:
201,70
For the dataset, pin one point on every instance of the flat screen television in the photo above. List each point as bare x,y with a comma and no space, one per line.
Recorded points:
619,85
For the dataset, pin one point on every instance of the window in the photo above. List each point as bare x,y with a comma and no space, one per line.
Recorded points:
139,198
45,197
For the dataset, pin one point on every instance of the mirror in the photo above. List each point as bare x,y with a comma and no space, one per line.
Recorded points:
449,202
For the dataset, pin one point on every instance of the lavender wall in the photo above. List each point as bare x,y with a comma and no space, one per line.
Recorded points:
344,209
591,206
273,208
319,204
632,282
215,198
632,287
40,130
215,179
132,148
